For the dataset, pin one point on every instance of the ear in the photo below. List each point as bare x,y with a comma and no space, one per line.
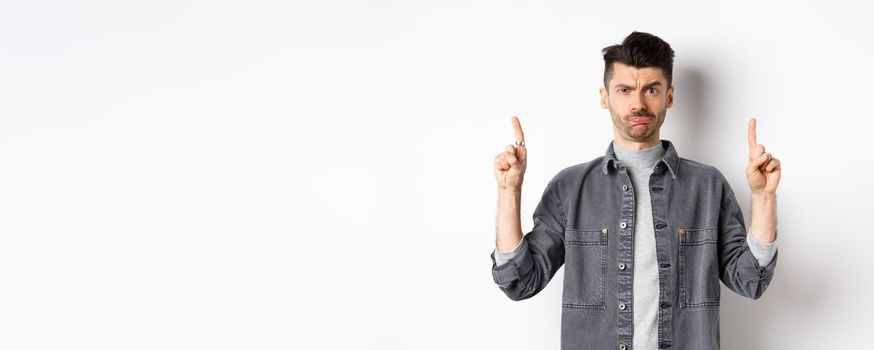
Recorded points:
604,101
670,96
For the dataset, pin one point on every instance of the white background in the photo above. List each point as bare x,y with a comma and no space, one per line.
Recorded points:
318,175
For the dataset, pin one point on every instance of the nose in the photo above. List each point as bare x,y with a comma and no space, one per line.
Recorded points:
636,103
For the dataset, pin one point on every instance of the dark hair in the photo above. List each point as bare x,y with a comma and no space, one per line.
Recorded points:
639,50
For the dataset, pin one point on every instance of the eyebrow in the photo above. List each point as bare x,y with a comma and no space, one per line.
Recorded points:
653,84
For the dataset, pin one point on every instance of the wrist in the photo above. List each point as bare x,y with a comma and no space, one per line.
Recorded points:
762,195
509,191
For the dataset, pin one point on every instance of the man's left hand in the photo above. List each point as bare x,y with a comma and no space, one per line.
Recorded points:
763,170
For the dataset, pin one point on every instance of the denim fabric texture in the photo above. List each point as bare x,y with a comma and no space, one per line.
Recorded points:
585,221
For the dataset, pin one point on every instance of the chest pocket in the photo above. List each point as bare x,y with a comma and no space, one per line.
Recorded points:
699,267
585,268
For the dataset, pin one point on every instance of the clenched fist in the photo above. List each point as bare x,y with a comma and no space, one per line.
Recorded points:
510,164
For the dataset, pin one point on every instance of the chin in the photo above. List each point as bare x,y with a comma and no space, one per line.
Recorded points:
642,131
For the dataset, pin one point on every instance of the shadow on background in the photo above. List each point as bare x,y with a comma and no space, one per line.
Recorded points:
798,286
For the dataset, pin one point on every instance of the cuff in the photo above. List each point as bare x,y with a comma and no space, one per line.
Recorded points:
501,258
514,268
763,252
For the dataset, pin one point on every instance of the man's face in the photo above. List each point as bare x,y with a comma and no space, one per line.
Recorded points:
638,100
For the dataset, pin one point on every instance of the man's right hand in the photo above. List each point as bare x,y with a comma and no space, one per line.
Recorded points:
510,164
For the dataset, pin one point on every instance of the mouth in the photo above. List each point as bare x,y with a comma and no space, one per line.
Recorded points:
640,120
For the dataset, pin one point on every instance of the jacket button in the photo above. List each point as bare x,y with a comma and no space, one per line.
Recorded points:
665,305
623,225
621,266
621,306
603,230
625,187
621,346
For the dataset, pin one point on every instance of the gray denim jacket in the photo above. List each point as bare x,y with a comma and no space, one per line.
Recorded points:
585,220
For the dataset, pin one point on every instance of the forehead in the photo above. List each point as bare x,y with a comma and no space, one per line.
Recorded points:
629,75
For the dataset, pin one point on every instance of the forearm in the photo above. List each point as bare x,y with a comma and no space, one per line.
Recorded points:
763,224
508,225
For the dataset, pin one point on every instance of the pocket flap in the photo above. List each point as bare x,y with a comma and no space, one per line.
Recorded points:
595,236
694,236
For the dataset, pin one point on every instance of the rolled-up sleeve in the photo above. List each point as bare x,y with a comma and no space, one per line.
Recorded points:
502,258
534,262
763,252
738,266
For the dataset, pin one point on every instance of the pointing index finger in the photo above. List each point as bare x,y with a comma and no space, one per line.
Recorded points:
517,128
751,134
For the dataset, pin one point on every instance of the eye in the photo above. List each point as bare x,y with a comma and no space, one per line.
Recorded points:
651,90
623,90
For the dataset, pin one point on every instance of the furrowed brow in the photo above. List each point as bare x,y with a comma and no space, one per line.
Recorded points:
629,87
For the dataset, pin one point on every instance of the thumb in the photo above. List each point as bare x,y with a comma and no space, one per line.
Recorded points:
762,159
511,156
521,153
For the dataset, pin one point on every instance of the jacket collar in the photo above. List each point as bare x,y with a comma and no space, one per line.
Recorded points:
670,159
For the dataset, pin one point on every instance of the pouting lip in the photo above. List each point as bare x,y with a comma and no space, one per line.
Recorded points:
648,119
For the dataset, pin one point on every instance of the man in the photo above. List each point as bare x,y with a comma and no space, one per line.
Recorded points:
645,235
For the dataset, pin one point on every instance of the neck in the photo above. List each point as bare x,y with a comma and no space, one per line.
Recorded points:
639,159
636,145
